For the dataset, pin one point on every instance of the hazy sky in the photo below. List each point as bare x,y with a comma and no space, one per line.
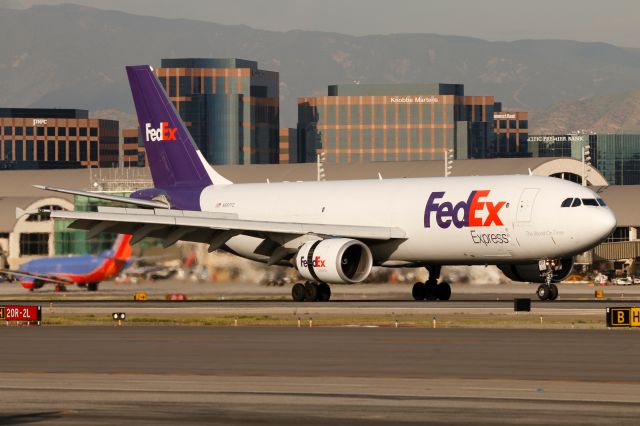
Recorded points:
611,21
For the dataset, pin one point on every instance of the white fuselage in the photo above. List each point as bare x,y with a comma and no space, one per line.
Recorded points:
519,219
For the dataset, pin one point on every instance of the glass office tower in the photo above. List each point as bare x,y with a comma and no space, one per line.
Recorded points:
512,132
395,122
616,156
230,106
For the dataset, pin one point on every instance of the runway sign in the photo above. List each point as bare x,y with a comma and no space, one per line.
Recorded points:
623,317
20,313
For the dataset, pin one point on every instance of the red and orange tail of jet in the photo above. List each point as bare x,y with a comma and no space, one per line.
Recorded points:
122,248
121,255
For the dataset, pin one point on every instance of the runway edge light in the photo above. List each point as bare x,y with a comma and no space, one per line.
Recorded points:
119,317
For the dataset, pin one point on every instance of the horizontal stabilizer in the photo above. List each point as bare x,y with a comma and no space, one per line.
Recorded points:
21,212
41,277
142,203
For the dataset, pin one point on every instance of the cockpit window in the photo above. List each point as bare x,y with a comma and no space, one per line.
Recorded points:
567,202
601,202
576,202
590,202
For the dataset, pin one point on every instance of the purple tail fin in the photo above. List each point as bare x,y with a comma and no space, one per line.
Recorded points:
174,159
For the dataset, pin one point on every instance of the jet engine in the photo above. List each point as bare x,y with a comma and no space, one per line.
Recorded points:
530,272
334,260
35,284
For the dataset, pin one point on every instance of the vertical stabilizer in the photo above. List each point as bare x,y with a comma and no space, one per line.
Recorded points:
174,159
121,249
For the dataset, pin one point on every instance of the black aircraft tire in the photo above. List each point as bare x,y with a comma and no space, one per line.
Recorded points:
92,287
298,292
543,292
431,287
553,292
443,292
311,291
419,291
324,292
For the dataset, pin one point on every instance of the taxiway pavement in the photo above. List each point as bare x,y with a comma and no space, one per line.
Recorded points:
352,376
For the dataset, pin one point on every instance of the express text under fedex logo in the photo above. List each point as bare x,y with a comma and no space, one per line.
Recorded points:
475,212
162,133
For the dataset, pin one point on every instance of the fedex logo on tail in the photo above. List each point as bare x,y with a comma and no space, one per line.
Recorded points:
475,212
162,133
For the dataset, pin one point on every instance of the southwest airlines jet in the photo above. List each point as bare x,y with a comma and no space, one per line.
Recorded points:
85,271
335,232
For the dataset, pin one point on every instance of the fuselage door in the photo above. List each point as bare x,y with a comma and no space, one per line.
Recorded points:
525,205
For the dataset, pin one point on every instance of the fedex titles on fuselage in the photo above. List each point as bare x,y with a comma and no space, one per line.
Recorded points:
467,214
162,133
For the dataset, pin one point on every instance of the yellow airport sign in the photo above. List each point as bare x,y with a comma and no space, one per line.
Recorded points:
140,296
2,316
623,317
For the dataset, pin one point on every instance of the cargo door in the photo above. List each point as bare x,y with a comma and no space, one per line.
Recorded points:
525,205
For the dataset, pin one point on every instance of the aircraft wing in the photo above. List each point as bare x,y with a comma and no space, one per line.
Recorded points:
206,227
42,277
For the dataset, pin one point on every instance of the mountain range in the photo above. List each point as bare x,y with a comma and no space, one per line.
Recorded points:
74,56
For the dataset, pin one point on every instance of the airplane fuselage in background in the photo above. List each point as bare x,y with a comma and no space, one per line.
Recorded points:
76,269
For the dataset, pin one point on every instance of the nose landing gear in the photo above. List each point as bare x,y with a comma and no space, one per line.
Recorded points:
548,290
431,290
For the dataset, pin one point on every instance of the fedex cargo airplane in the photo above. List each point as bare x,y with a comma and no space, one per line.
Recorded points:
335,232
85,270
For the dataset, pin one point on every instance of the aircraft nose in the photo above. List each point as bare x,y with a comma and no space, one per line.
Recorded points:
605,223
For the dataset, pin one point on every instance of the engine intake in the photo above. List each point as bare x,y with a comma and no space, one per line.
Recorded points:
530,272
334,260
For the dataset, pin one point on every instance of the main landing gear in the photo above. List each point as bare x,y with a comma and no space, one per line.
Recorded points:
311,291
431,290
548,290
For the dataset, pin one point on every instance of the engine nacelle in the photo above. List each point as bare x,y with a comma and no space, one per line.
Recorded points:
334,260
530,272
32,285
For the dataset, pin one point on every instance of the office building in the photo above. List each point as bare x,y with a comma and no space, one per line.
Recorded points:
230,107
395,122
512,130
288,145
39,138
133,152
617,156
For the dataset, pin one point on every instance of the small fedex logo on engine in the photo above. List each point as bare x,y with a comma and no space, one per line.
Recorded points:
475,212
162,133
317,262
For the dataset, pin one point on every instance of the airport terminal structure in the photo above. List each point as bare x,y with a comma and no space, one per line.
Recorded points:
33,234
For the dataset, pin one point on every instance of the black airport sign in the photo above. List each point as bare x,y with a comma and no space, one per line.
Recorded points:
623,317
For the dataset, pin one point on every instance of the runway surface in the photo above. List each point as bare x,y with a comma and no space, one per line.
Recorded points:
357,292
291,376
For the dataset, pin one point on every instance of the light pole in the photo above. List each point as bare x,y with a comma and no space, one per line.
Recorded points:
586,162
320,166
448,161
